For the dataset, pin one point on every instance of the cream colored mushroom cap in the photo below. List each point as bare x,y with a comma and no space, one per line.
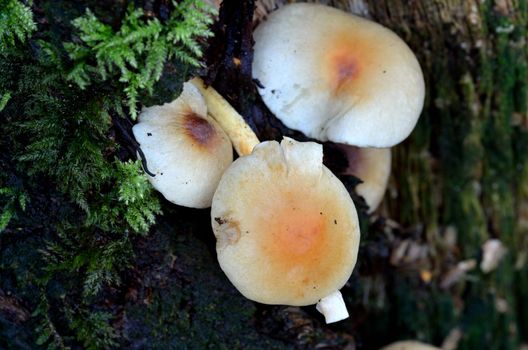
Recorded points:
336,76
287,230
409,345
186,149
372,166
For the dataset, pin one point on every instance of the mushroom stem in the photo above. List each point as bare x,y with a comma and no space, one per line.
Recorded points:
234,125
333,307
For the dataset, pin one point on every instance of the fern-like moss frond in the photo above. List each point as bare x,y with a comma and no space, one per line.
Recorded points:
16,22
93,329
136,53
131,199
4,98
11,200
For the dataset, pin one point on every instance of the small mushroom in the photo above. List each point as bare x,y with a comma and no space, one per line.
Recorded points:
185,149
287,230
493,252
409,345
372,166
336,76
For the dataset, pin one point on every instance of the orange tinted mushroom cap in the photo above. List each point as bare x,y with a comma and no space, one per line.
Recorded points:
287,230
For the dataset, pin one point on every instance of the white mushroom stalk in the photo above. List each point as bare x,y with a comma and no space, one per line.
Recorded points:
234,125
333,307
287,230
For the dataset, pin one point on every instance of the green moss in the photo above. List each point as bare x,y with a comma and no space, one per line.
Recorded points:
16,23
135,54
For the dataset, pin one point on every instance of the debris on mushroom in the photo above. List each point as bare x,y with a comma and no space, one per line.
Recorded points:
493,252
409,345
287,230
372,166
336,76
185,150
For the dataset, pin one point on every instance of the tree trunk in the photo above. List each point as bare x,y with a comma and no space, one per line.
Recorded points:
460,180
462,177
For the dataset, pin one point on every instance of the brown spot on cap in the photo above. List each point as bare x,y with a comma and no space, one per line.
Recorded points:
346,63
199,129
345,70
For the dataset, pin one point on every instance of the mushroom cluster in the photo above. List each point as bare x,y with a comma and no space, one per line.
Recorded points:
287,230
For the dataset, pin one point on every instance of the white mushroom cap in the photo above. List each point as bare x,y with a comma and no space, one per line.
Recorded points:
372,166
409,345
336,76
287,230
185,149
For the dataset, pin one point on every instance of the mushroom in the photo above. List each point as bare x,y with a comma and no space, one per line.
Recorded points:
372,166
186,151
336,76
409,345
493,252
287,230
